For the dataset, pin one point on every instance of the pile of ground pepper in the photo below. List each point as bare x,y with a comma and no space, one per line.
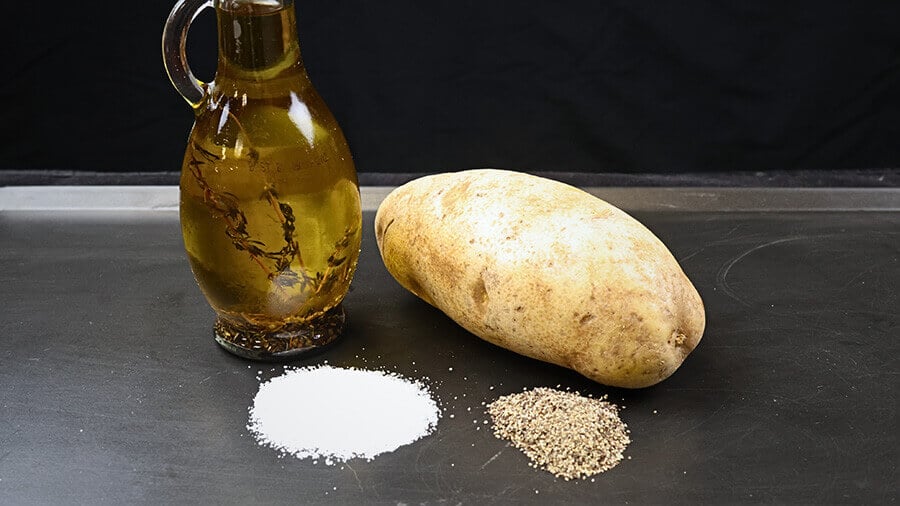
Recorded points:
565,433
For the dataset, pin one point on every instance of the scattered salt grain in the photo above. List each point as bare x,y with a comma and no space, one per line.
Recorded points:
315,413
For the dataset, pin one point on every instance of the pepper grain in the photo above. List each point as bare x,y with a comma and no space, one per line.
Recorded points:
565,433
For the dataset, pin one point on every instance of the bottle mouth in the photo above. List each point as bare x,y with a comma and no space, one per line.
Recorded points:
253,5
257,37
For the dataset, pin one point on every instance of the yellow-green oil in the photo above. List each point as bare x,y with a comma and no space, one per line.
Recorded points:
270,207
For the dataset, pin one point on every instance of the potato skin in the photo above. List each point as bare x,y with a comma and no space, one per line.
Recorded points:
545,270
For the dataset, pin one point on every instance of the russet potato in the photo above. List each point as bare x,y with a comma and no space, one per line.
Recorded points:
545,270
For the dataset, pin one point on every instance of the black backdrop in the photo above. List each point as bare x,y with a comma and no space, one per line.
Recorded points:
575,86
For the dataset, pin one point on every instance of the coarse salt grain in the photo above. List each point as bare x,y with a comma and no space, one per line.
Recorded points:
337,414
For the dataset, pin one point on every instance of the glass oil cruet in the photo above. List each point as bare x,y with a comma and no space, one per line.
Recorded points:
270,206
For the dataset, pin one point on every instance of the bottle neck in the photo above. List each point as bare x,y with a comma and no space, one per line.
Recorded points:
257,40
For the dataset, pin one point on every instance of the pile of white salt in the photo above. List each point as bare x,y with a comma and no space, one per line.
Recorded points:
336,414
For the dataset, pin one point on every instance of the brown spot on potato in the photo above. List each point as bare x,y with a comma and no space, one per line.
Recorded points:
584,320
479,293
413,286
457,195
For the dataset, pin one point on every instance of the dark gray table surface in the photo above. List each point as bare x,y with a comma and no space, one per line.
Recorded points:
112,390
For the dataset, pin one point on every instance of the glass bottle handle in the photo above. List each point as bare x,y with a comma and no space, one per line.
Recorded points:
174,40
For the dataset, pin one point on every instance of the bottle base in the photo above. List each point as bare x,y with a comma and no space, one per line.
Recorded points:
290,342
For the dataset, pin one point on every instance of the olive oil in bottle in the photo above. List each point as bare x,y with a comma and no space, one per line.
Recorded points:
270,207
